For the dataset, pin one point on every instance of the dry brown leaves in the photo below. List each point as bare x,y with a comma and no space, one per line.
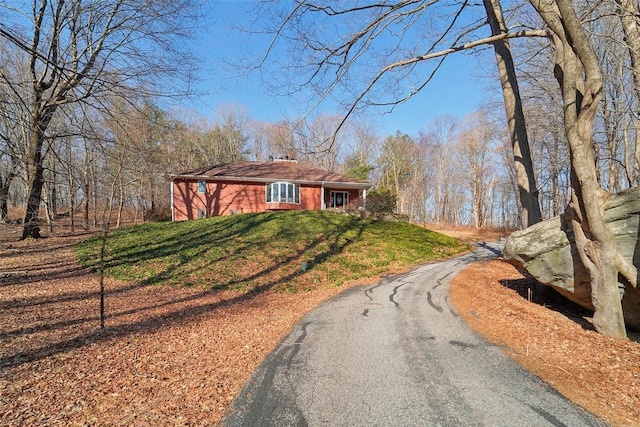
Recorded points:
172,356
553,339
168,356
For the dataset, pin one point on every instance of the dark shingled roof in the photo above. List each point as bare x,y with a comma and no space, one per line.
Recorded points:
270,172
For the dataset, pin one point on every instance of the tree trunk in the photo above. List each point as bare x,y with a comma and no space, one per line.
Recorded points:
71,184
87,204
31,227
94,197
86,186
120,202
106,221
72,205
39,121
439,211
50,190
4,197
636,155
577,69
515,117
629,14
46,199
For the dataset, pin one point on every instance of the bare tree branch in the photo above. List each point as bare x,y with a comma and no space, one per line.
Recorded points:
426,57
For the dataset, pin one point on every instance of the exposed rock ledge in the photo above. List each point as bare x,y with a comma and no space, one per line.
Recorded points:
547,252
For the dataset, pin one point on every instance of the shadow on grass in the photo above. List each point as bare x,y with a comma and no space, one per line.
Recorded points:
237,239
552,300
192,242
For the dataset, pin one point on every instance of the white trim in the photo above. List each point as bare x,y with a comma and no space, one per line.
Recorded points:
269,192
173,205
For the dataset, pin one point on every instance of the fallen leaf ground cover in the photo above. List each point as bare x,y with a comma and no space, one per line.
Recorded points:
169,356
552,338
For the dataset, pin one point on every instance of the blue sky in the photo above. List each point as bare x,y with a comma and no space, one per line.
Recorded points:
455,90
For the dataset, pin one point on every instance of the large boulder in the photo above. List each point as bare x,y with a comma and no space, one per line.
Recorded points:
547,252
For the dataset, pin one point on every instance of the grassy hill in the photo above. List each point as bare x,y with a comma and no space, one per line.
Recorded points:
286,251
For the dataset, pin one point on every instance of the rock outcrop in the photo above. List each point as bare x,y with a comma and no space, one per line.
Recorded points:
547,252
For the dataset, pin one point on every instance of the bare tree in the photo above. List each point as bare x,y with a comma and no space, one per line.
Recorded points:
362,141
420,183
578,72
396,163
9,163
475,154
13,129
316,143
507,187
442,132
276,139
629,14
525,177
79,51
548,143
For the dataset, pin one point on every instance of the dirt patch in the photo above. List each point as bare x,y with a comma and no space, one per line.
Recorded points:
178,356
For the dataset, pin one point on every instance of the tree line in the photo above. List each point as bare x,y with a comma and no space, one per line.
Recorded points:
101,166
453,171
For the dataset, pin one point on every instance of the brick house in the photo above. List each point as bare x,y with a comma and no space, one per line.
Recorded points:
246,186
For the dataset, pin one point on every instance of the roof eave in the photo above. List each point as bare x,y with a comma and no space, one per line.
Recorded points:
337,184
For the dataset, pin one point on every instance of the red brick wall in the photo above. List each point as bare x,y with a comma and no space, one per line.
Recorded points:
311,198
220,198
223,198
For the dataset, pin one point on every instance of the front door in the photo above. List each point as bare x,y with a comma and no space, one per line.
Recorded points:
338,199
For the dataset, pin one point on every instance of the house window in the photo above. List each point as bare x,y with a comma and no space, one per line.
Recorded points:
202,186
283,192
202,213
339,199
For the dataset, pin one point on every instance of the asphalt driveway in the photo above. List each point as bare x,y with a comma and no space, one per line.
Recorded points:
396,354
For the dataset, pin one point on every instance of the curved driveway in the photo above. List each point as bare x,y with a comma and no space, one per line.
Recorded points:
396,354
